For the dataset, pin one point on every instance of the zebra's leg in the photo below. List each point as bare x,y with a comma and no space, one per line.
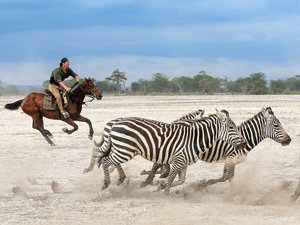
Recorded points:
121,172
151,176
105,164
147,172
182,176
228,174
97,152
115,158
295,196
176,167
95,155
166,172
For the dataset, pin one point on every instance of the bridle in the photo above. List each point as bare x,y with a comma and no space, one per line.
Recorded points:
92,95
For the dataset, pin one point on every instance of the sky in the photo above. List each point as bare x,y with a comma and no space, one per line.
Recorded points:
225,38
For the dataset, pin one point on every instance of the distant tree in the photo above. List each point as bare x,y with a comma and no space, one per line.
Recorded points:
256,84
159,83
293,83
277,86
207,83
185,83
118,78
140,86
46,84
11,89
1,88
238,86
106,86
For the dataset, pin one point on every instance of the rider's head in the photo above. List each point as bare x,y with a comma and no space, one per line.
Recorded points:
63,61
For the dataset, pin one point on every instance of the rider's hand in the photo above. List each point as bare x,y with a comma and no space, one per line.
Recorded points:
68,89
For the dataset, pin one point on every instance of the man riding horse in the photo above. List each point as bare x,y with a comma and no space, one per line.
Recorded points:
56,81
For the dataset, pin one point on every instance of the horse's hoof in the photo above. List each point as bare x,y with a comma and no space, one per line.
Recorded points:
65,129
90,137
52,144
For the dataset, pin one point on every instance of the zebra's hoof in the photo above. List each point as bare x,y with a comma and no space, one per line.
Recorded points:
143,184
86,170
161,186
163,175
294,197
144,172
104,187
120,181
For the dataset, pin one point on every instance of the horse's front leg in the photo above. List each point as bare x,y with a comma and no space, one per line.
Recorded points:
70,122
83,119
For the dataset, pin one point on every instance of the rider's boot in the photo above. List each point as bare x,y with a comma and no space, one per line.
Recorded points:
66,114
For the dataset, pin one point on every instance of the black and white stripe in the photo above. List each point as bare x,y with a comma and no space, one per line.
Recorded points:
180,143
105,140
262,125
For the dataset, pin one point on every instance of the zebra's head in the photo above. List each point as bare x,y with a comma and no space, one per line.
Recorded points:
274,129
229,132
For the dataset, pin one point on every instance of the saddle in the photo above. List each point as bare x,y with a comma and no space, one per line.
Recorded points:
50,103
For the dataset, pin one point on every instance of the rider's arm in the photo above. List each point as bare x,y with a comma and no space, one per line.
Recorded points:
64,86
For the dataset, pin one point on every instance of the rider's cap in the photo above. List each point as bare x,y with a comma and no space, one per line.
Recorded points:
63,60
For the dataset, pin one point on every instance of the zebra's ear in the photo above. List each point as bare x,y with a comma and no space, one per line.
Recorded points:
222,115
202,113
266,113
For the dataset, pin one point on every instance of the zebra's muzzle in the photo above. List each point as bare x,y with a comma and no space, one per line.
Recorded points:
242,145
286,141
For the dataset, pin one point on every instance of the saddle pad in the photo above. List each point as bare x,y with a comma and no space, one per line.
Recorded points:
48,105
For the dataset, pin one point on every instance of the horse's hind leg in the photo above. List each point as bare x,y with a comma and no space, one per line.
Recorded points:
48,133
39,125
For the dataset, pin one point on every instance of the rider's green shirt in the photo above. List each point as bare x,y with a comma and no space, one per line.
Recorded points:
58,75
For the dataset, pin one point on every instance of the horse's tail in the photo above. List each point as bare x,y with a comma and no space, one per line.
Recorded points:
13,106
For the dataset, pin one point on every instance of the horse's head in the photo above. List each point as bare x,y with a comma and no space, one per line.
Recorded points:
91,89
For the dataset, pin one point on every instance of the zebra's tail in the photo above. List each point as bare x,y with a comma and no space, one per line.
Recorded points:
100,143
13,106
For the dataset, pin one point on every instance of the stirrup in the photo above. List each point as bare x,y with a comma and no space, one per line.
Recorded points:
66,115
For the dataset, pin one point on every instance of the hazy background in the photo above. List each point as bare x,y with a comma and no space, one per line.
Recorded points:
177,38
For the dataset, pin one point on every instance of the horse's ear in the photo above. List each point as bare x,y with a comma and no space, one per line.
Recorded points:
85,79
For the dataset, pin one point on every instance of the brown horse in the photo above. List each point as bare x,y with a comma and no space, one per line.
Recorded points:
32,105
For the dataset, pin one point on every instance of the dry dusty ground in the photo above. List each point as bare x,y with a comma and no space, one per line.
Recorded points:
256,196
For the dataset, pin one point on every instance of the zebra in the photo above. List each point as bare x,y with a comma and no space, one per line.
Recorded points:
254,130
179,144
106,139
296,195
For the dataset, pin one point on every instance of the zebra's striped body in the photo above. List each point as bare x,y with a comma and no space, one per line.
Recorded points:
262,125
180,143
105,140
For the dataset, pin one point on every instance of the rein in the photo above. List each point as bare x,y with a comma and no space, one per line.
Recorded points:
92,96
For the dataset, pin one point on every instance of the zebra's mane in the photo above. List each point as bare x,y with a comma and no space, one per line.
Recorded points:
256,117
190,122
